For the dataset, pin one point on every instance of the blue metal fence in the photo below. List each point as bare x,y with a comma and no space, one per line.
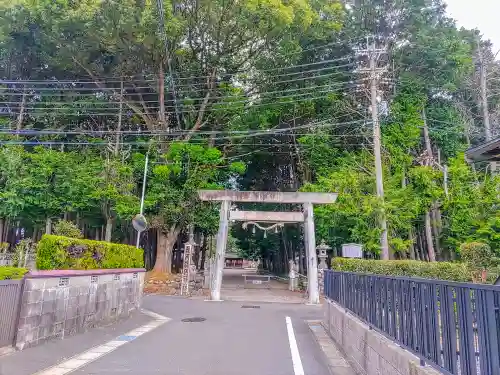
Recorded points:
453,326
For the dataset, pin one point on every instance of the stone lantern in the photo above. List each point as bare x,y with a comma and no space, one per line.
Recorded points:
322,255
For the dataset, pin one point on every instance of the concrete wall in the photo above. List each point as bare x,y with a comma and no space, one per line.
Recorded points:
56,304
369,352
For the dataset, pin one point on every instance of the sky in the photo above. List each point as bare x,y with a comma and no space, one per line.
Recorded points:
480,14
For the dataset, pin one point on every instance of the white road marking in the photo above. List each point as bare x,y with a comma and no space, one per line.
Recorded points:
83,359
297,362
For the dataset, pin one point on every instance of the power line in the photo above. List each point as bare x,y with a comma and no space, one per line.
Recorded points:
228,108
230,134
137,102
213,104
105,80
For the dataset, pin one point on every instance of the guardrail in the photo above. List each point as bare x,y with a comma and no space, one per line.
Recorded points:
453,326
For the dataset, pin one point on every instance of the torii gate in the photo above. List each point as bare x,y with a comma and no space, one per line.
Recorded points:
226,197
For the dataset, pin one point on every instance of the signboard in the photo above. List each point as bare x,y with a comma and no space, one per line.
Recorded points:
352,250
188,251
257,282
139,223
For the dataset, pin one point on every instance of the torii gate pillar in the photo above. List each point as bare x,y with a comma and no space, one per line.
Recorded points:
226,197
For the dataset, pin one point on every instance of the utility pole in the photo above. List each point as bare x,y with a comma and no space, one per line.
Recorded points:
375,72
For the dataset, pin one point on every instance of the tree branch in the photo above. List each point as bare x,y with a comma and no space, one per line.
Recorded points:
201,112
147,120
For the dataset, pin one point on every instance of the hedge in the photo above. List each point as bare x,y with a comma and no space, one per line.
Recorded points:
428,270
58,252
11,273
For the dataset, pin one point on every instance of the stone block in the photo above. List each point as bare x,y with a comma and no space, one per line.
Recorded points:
30,322
51,282
50,294
31,335
59,316
80,281
61,303
45,332
372,362
82,300
32,296
74,292
34,284
47,319
31,309
416,369
48,306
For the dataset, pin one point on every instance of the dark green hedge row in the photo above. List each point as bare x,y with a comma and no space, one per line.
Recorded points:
412,268
57,252
11,273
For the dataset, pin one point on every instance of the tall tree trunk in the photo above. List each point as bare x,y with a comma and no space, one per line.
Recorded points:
48,225
2,226
6,230
165,246
428,238
109,229
20,117
435,212
412,243
35,233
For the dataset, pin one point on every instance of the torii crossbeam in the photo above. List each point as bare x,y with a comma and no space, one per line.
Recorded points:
226,197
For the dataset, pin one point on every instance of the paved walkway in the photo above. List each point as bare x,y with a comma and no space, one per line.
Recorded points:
273,339
234,289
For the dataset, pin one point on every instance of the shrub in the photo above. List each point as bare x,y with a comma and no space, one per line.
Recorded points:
11,273
4,246
479,258
57,252
428,270
67,229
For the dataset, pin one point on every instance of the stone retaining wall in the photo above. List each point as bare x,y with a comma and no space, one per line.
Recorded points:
56,304
369,352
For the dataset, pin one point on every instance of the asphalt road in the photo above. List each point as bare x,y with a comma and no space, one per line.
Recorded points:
273,339
232,340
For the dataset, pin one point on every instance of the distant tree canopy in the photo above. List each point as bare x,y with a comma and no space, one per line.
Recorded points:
249,95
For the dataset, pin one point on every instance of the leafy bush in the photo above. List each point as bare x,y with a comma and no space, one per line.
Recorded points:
67,229
11,273
479,258
428,270
57,252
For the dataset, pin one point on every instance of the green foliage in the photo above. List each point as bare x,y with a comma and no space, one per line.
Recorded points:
231,63
410,268
4,246
57,252
11,273
479,259
173,186
67,229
